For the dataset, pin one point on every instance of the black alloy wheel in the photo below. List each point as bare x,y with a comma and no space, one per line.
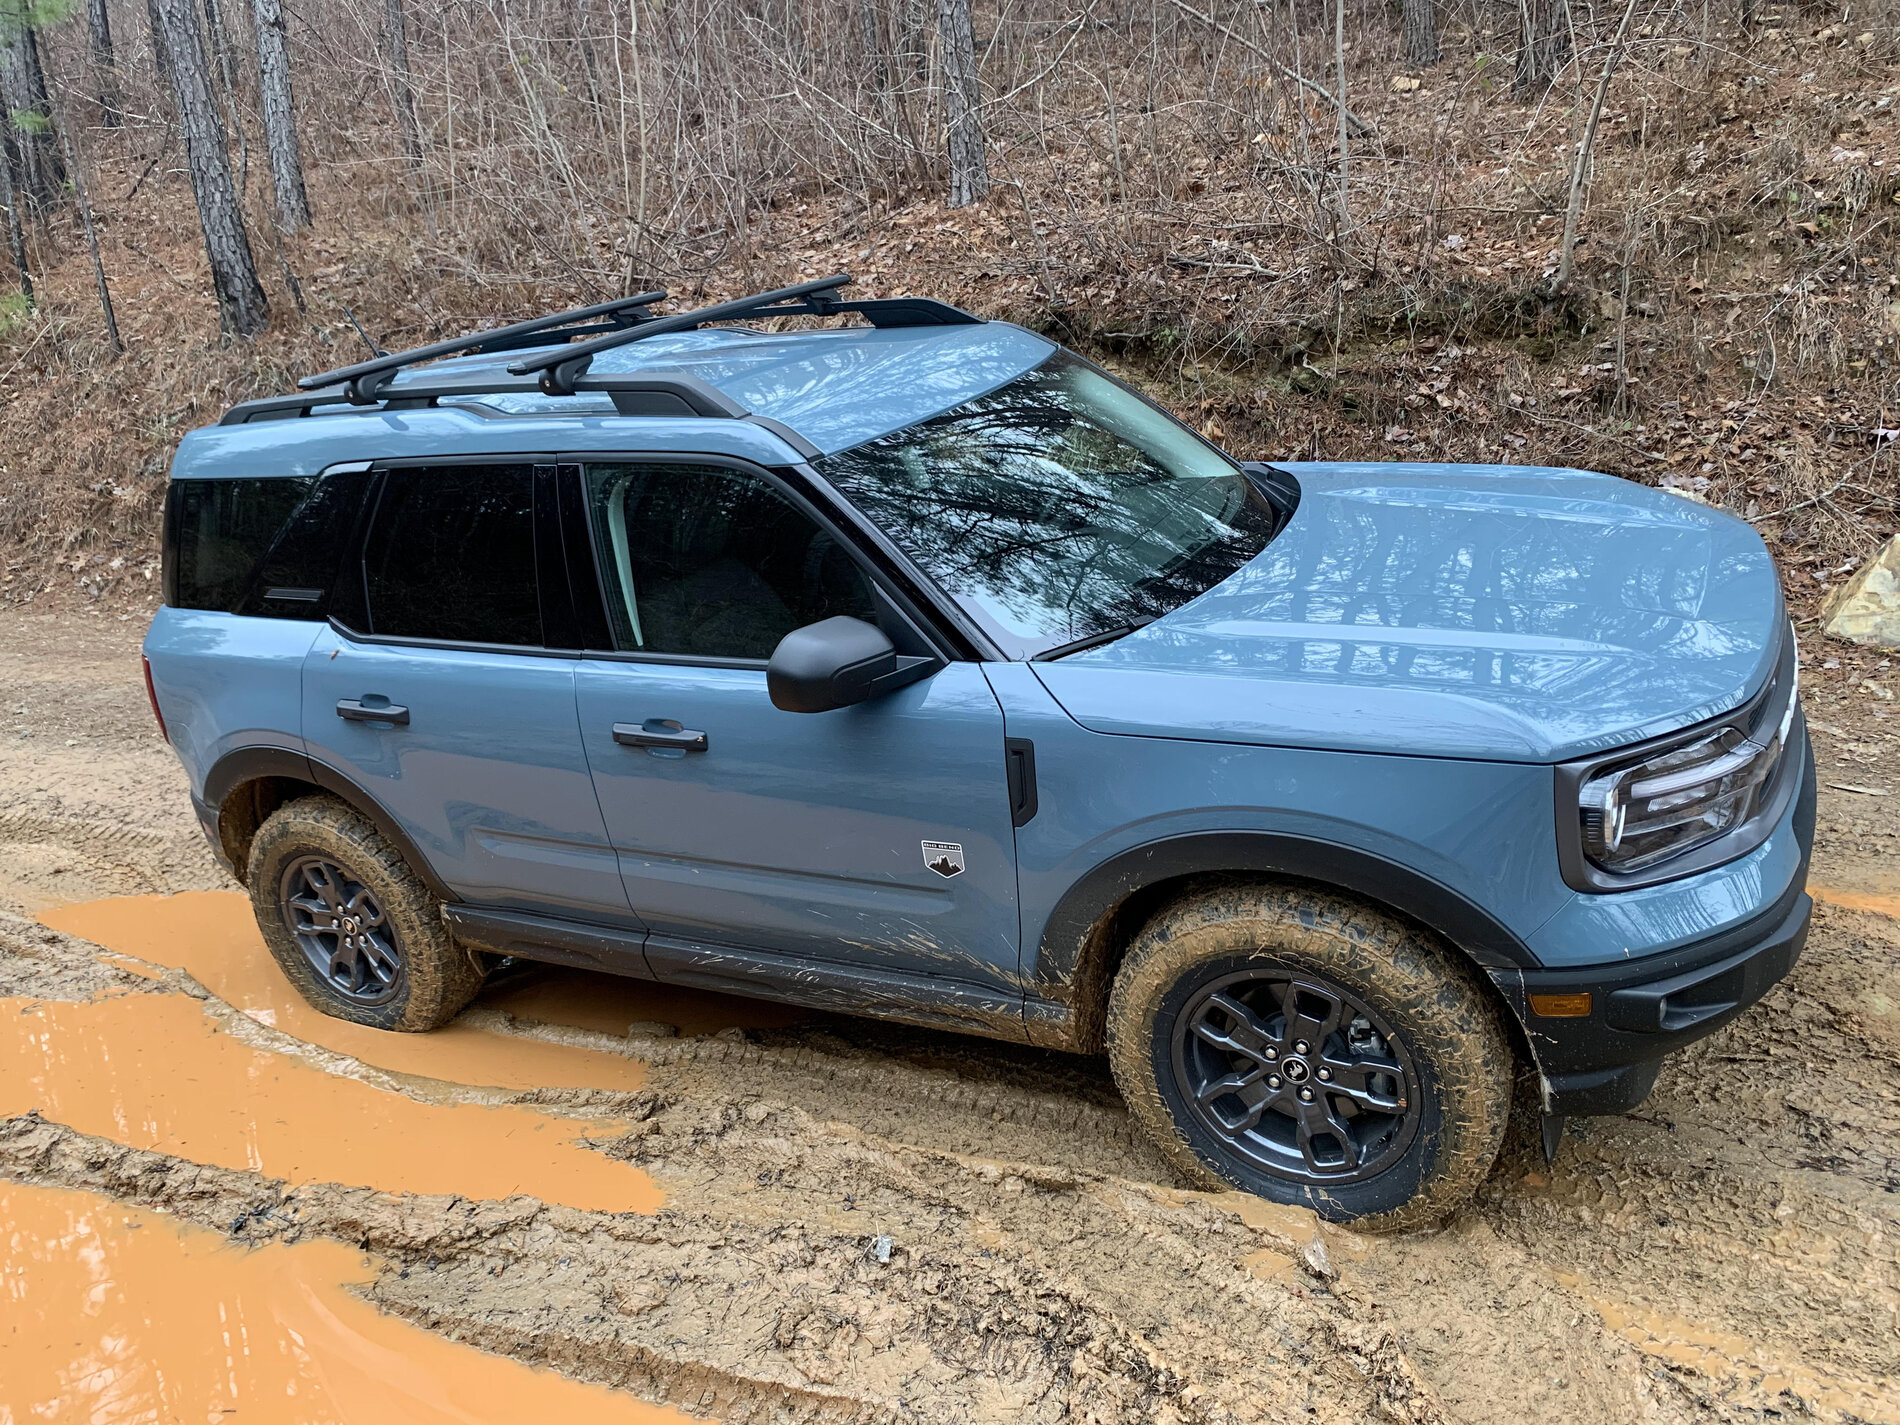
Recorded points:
342,930
1296,1076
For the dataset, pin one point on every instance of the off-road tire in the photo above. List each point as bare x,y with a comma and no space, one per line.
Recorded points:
434,978
1433,1003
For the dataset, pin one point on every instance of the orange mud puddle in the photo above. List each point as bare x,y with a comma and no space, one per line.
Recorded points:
115,1315
155,1071
1880,903
213,936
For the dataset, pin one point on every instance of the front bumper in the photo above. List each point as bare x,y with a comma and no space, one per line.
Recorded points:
1606,1061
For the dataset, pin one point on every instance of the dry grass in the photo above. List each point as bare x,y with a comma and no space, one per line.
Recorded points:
1163,202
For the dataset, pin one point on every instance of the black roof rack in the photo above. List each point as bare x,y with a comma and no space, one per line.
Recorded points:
366,379
560,370
648,393
563,371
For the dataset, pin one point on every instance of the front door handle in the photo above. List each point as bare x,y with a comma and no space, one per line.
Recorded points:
373,708
659,732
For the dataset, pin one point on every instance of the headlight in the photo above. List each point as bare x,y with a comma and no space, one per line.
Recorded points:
1635,816
1638,811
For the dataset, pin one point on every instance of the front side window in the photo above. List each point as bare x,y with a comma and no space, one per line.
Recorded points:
451,555
707,562
1060,507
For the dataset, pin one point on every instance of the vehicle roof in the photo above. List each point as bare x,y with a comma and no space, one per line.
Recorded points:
836,388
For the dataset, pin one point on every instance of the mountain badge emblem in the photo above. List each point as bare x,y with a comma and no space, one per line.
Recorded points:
944,857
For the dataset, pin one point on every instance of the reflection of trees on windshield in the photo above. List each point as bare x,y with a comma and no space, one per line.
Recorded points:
1059,506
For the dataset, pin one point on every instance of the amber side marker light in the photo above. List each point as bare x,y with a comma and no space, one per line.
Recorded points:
1575,1006
152,693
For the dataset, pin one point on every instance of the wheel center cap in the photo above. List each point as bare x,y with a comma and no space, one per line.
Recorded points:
1295,1069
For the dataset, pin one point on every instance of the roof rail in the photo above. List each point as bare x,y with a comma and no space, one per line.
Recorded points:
366,380
646,393
561,370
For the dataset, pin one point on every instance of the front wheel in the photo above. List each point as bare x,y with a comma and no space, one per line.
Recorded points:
1306,1048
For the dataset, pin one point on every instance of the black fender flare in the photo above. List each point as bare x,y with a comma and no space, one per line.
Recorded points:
1067,934
244,765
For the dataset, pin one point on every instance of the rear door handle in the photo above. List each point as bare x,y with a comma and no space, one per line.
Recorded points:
380,710
659,732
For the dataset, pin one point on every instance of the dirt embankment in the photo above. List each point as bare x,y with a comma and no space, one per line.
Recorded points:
865,1222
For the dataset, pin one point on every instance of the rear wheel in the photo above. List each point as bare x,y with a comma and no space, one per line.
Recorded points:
1303,1047
351,925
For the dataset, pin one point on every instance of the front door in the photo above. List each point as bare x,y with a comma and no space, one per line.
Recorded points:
877,837
448,713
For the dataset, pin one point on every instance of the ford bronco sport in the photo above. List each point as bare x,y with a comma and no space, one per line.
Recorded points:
920,669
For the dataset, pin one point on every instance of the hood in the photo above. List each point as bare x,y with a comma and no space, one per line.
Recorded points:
1508,613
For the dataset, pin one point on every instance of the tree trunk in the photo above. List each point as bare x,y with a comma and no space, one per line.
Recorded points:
963,125
241,306
221,48
280,114
30,128
92,235
1421,33
404,85
16,231
105,65
1543,42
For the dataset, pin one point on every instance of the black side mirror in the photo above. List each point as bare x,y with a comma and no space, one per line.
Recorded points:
830,664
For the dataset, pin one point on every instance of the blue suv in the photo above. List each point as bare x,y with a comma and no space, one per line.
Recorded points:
918,668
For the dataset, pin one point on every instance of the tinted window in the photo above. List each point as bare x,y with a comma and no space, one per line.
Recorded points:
451,555
293,580
217,531
1059,506
713,563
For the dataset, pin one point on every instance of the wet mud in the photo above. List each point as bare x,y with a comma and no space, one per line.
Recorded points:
862,1222
117,1314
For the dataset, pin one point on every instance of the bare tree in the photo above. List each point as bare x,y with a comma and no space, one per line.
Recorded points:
403,80
1543,47
29,112
73,167
962,96
280,114
1421,33
105,64
16,230
1586,150
242,309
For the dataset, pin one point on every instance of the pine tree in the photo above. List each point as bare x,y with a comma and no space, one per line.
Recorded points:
242,309
280,114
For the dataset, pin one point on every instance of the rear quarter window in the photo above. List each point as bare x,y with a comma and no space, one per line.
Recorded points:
267,547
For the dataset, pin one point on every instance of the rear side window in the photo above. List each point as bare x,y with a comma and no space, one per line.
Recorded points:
450,555
267,547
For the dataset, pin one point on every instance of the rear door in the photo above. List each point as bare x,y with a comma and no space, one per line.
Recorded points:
445,696
877,836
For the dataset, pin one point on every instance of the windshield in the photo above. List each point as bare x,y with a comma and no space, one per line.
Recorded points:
1059,508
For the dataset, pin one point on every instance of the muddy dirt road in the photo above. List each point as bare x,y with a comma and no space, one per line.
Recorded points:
745,1214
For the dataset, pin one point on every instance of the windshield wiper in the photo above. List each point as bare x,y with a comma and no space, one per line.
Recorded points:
1093,640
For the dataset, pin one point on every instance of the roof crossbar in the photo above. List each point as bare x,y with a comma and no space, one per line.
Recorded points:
365,380
560,369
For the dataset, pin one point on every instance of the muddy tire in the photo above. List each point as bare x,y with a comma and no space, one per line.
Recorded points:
1309,1049
354,929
